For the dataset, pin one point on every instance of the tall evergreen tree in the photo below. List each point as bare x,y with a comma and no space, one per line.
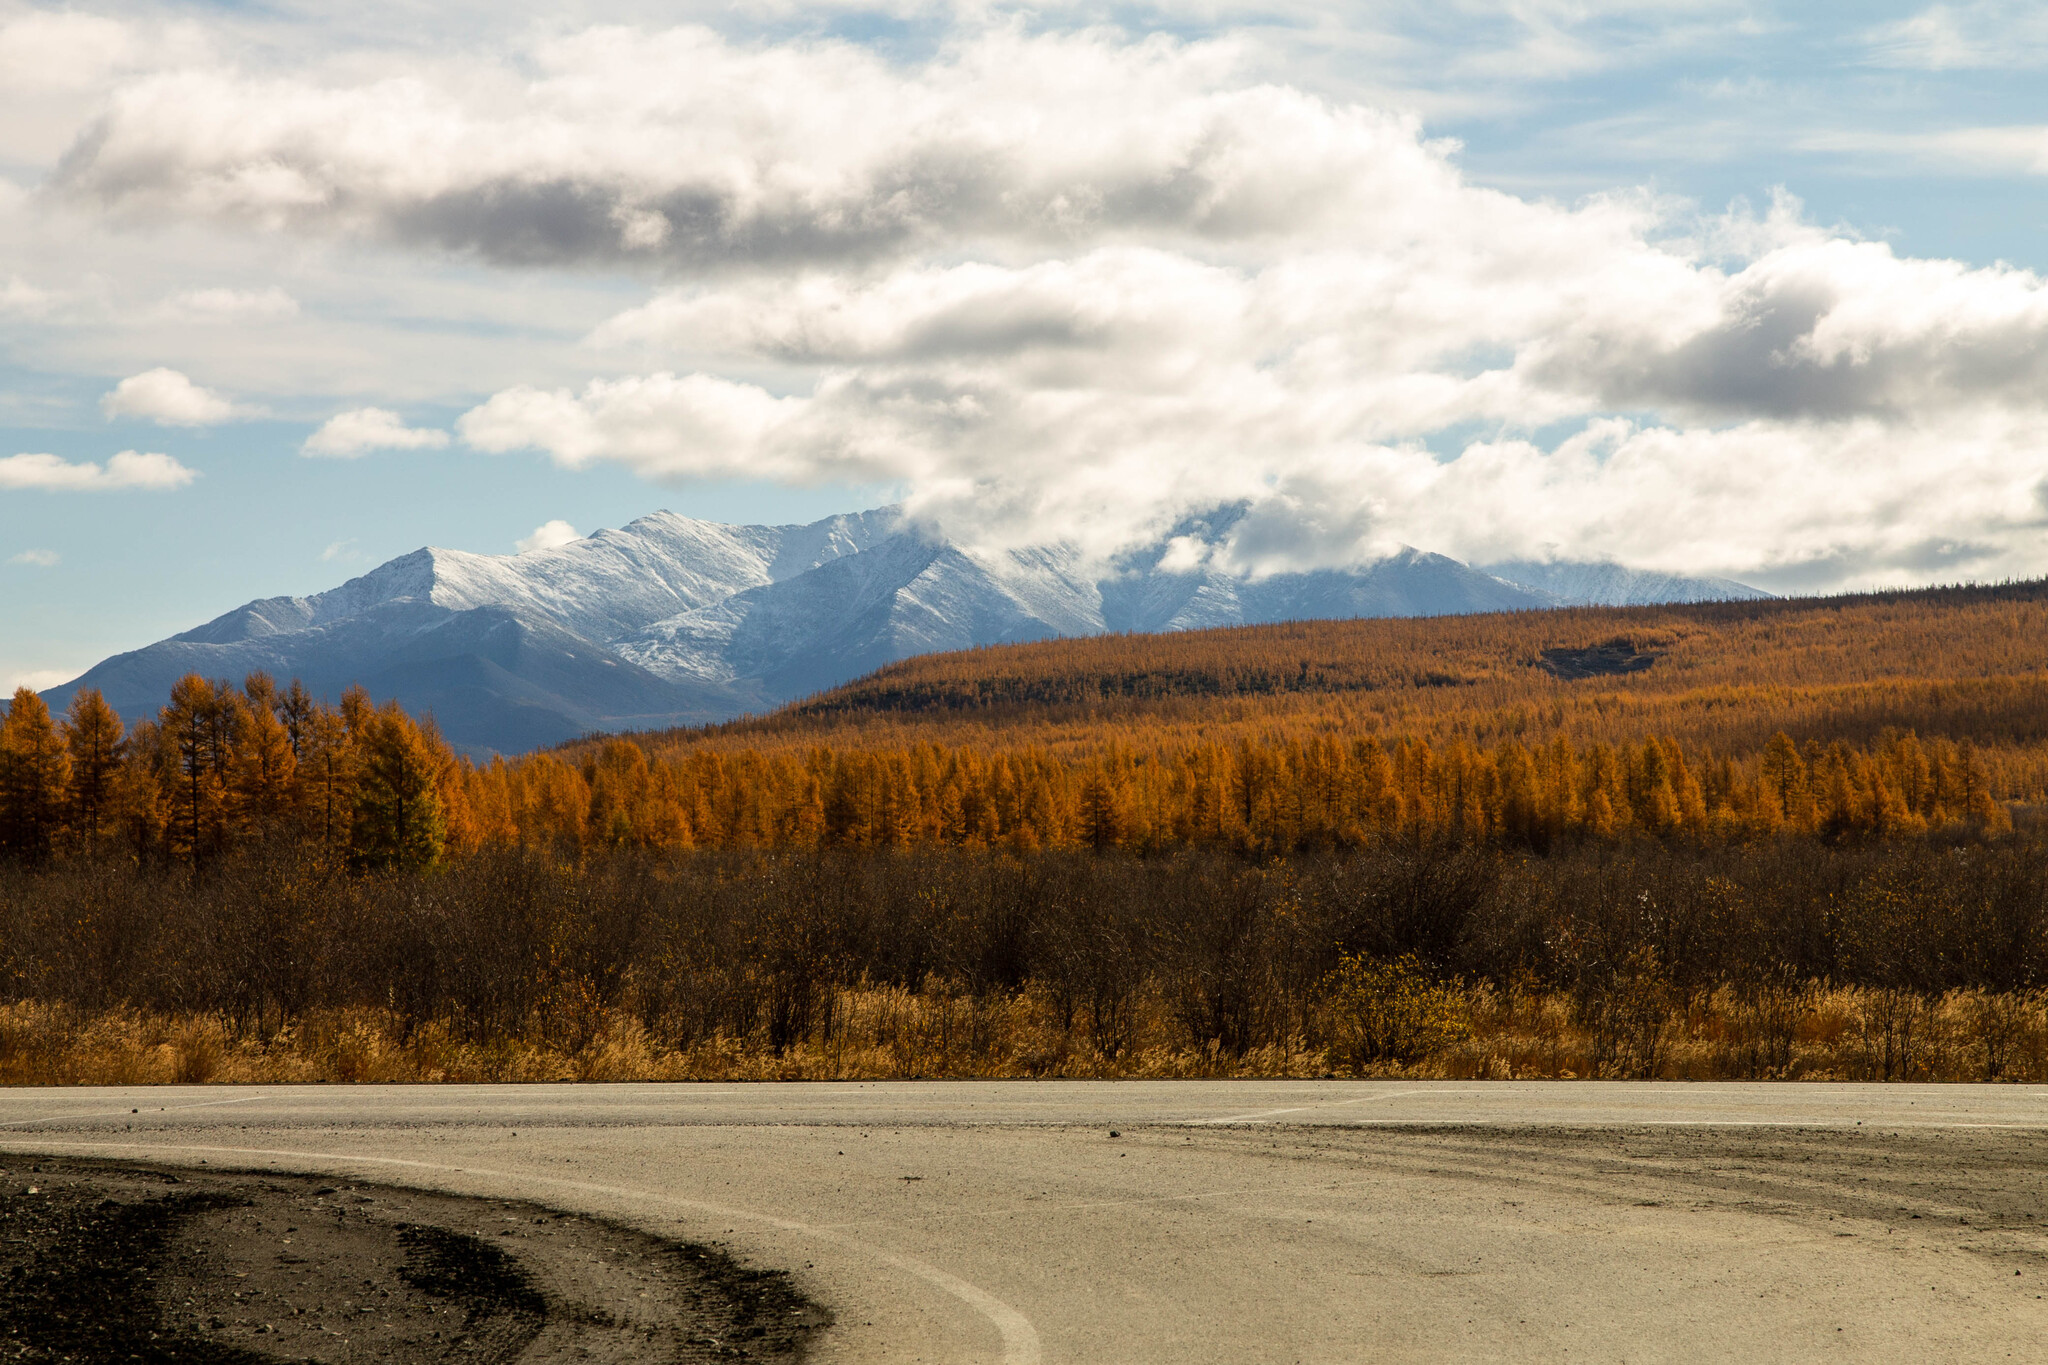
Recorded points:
262,775
259,689
96,739
399,818
295,712
327,770
35,771
196,727
143,787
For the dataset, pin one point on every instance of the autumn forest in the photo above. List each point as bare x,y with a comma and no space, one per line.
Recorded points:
1596,842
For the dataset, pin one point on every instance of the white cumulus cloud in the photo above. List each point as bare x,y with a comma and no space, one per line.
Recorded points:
366,429
662,425
41,559
128,470
167,398
761,156
549,535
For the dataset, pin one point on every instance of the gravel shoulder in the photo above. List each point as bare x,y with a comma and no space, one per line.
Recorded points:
118,1262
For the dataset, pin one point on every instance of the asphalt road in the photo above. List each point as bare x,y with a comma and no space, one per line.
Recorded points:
1127,1223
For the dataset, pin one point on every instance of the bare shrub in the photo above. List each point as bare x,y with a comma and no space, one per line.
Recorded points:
2001,1023
1626,1009
1219,960
1393,1011
1892,1026
1767,1015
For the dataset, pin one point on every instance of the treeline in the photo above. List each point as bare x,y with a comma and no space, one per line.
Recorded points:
366,787
223,768
1264,798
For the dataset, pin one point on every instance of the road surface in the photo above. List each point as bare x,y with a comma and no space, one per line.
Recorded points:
1231,1221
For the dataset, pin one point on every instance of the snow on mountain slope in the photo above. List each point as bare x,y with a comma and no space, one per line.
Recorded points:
1408,583
1577,584
602,586
671,621
1152,601
614,582
908,595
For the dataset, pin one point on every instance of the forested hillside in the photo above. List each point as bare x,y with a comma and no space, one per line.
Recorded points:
1961,662
1727,721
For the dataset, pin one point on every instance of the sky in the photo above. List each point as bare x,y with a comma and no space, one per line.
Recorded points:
1750,290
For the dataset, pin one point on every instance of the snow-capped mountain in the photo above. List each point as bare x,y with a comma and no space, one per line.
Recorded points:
673,621
908,595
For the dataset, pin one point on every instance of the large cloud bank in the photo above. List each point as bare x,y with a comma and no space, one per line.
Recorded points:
1079,284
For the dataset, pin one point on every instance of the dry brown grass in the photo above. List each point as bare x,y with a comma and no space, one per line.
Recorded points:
1812,1032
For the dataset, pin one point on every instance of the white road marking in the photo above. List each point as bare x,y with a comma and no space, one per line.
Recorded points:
1334,1104
117,1114
1019,1337
1248,1118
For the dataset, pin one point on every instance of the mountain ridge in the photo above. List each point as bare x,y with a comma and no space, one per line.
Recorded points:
670,620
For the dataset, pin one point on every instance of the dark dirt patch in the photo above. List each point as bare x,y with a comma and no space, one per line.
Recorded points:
122,1263
1597,661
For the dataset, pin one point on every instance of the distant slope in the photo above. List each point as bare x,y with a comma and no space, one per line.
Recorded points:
671,621
1612,585
1961,662
1408,583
